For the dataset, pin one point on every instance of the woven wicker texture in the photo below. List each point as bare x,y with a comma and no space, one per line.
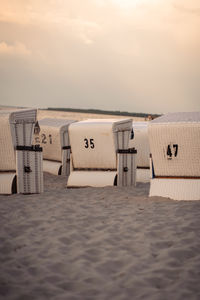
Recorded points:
88,178
175,148
178,117
143,175
6,182
94,142
52,167
126,175
177,189
17,128
29,182
52,137
140,142
7,154
22,123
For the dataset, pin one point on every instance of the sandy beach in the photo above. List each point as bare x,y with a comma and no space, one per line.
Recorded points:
98,243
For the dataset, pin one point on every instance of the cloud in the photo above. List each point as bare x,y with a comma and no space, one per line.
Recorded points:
83,29
136,55
51,14
186,9
15,49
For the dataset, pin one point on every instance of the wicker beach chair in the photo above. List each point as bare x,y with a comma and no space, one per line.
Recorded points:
54,139
139,140
100,154
175,156
20,161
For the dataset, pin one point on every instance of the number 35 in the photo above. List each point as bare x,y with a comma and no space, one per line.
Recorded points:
89,143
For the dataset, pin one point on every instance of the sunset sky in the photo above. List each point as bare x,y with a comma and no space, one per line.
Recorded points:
128,55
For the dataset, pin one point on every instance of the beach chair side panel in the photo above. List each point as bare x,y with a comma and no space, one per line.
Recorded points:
29,170
7,153
126,170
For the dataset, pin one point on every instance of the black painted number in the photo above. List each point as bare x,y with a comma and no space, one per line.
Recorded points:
92,143
50,138
172,151
175,146
89,143
169,151
44,139
86,143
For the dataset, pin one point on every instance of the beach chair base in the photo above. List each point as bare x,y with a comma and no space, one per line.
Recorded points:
66,153
8,183
92,178
52,167
58,167
143,175
29,170
177,189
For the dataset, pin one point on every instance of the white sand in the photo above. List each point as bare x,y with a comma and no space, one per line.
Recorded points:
98,243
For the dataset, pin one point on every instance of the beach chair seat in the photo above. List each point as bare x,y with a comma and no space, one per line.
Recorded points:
8,183
94,152
54,139
139,140
175,156
20,162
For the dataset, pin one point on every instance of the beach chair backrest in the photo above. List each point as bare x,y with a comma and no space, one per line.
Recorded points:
139,140
7,153
17,127
53,136
94,143
175,144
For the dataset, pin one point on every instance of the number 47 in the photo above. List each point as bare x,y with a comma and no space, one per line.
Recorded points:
169,150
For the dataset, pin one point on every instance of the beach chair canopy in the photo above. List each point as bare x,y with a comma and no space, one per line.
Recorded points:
53,136
94,142
17,155
17,127
175,144
139,140
94,145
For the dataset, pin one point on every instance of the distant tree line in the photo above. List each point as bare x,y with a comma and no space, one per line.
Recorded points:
105,112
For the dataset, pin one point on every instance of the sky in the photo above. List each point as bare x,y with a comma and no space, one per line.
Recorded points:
127,55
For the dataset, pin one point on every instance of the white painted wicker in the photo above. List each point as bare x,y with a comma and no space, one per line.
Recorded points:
176,189
7,153
17,130
94,145
91,178
175,148
52,167
126,167
8,183
139,140
54,140
143,175
29,171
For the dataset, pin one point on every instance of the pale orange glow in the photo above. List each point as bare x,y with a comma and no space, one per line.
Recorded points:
135,55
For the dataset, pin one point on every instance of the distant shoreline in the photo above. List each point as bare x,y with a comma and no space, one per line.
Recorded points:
104,112
92,111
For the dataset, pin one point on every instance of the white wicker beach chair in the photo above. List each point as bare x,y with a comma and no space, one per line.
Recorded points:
20,162
139,140
100,154
175,156
54,139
